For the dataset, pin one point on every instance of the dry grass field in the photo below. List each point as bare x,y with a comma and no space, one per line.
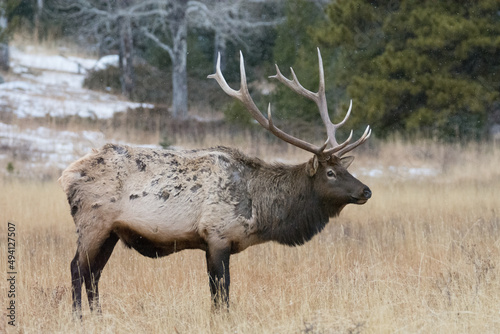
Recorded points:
423,255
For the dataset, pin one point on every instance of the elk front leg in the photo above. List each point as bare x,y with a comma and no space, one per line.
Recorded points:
218,275
101,258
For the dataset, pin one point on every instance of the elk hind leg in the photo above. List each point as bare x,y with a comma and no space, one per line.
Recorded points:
76,283
86,268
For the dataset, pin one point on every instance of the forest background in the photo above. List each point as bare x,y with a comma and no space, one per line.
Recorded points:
427,68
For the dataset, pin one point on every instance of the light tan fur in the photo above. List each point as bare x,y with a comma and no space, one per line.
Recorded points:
175,198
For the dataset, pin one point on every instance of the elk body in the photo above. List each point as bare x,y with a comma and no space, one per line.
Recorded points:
217,200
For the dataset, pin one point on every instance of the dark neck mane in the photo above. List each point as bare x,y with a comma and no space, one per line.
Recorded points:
288,211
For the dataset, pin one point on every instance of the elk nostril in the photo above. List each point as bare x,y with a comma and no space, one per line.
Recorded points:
367,192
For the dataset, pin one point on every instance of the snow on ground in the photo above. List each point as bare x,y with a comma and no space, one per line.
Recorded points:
44,152
51,86
43,147
106,61
57,63
401,172
39,99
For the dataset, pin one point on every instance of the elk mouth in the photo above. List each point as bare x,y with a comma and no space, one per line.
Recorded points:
356,200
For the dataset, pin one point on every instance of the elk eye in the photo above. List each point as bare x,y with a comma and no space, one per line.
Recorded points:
331,174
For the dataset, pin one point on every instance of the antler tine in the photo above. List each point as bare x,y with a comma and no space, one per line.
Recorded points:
269,116
338,147
361,140
321,89
294,84
242,94
338,125
221,81
331,129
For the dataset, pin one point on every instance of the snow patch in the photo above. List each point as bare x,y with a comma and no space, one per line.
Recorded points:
52,86
56,90
52,63
42,148
106,61
39,151
400,172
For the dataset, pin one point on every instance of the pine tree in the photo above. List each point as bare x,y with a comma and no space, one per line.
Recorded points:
428,67
295,48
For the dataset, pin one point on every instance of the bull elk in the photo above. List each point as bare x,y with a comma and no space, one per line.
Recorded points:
217,200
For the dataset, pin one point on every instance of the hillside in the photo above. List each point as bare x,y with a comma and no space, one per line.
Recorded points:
42,88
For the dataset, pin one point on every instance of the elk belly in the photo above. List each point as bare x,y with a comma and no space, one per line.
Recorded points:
155,240
152,225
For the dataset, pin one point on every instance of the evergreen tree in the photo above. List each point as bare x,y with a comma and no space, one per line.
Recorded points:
428,67
295,48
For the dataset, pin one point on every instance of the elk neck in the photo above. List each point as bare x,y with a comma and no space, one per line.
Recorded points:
287,208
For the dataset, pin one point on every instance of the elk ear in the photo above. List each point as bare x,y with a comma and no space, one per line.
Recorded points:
347,161
312,166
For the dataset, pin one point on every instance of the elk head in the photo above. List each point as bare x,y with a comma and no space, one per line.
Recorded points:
328,167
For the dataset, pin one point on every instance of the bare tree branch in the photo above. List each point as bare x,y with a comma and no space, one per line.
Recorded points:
165,22
157,41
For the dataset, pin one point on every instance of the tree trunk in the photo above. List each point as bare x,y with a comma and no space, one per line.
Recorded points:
178,26
4,56
38,12
4,42
126,57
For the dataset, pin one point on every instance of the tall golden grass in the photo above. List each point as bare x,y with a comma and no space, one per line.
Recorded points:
421,256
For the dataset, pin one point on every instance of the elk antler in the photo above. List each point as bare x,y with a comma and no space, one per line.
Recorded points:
319,98
244,96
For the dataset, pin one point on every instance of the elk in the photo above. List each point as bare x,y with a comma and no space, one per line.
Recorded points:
218,200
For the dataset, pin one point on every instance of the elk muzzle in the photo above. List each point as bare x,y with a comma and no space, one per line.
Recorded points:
363,196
